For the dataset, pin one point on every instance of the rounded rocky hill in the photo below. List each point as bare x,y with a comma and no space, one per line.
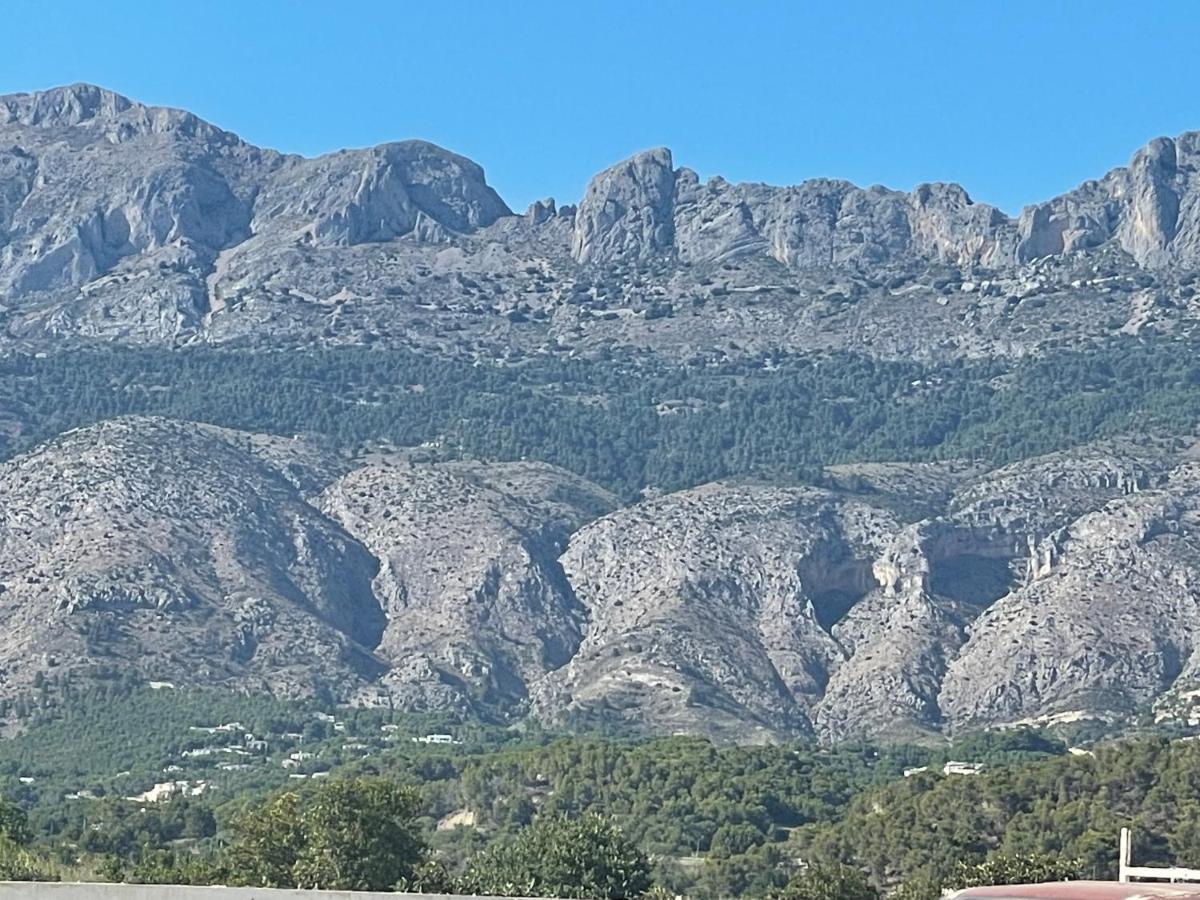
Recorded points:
477,605
175,551
1059,588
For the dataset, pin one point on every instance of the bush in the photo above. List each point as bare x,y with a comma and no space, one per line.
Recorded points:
1014,868
350,834
828,881
588,857
19,863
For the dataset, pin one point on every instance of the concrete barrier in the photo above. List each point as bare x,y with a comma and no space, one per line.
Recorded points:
45,890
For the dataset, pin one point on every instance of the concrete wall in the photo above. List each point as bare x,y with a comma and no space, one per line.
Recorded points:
26,890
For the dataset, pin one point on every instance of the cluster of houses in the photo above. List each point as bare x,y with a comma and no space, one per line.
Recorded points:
435,739
242,749
953,767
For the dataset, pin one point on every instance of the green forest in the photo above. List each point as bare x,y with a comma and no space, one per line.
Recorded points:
624,426
493,811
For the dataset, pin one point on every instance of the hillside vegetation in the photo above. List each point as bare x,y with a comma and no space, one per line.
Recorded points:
629,427
715,821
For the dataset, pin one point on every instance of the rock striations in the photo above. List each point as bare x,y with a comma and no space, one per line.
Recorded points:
712,610
476,602
177,552
643,208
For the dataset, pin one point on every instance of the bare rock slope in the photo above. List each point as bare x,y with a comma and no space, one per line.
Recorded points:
1060,588
477,604
175,551
711,610
120,221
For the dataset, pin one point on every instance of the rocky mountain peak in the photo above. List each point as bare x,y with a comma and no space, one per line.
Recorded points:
98,110
68,105
148,225
363,196
641,208
95,188
627,210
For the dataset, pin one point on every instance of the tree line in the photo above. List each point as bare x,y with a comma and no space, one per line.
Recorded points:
524,811
629,426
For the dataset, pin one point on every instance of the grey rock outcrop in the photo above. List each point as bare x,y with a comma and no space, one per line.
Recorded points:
476,602
148,226
1151,208
710,610
1105,625
351,197
941,579
627,211
750,612
903,600
641,208
177,552
118,219
1055,589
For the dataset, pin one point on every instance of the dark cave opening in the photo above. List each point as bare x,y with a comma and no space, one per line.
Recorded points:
972,579
830,606
835,586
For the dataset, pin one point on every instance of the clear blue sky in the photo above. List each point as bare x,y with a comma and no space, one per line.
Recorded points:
1016,100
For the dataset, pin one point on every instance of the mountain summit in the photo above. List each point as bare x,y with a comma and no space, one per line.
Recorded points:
146,225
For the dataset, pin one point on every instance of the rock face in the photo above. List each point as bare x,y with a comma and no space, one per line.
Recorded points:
144,225
1106,622
711,610
99,180
824,224
369,196
750,613
628,210
476,602
899,600
937,576
197,555
1058,588
129,211
1150,208
641,208
176,552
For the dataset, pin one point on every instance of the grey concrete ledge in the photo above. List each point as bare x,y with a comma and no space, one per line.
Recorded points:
45,890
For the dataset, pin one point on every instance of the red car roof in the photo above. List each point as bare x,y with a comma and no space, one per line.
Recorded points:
1084,890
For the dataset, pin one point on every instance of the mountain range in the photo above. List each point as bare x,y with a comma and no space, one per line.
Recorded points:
884,599
121,222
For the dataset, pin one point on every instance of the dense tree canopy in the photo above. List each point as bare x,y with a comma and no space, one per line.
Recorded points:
629,427
713,820
347,834
586,856
828,881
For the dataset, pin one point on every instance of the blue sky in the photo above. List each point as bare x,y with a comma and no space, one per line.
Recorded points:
1016,100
